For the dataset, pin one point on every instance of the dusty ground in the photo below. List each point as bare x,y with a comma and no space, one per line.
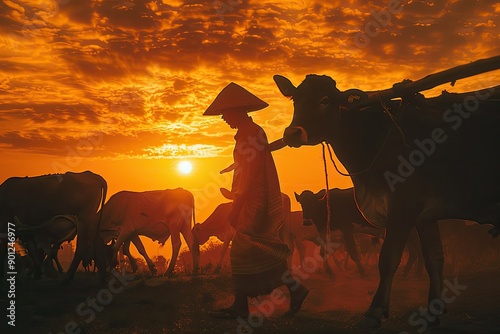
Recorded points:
180,305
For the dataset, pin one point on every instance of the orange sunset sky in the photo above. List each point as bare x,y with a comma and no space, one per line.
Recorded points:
119,87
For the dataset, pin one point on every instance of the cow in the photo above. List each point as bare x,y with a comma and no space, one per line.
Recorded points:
308,232
412,161
48,238
35,200
218,225
344,216
156,214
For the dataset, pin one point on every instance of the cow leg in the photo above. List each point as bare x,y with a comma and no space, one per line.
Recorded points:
390,257
122,238
100,258
299,245
413,249
353,251
325,252
193,246
53,253
33,251
140,247
126,251
176,245
432,250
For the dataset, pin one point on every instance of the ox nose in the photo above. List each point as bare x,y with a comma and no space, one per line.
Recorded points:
307,222
295,136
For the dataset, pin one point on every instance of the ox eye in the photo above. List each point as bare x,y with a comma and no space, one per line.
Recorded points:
324,101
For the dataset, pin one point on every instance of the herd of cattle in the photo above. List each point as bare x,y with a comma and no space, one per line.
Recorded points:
413,162
52,209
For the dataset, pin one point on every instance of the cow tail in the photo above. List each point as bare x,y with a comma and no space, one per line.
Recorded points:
104,186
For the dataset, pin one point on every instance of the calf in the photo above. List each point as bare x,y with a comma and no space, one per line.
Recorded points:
344,216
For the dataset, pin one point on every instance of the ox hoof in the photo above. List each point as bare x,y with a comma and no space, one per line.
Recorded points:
368,324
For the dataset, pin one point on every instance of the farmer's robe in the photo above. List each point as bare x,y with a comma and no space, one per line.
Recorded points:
258,256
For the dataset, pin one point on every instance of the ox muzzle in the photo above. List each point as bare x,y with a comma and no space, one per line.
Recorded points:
295,136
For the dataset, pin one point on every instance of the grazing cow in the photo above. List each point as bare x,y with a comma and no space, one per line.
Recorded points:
157,214
218,225
344,216
412,162
35,200
47,237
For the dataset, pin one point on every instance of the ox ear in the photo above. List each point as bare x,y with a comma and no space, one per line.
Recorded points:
297,196
227,193
353,97
285,86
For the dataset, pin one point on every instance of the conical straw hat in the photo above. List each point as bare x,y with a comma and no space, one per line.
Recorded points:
234,98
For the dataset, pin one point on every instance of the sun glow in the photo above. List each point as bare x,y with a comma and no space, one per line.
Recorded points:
185,167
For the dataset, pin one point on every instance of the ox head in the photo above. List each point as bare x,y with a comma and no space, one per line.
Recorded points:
317,108
313,207
200,236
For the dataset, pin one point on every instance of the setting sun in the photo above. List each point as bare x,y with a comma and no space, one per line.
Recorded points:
185,167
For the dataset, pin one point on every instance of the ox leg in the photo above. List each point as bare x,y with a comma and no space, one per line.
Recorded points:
126,251
53,253
176,245
353,251
432,250
193,246
122,238
34,253
299,245
100,259
390,257
140,247
413,249
325,251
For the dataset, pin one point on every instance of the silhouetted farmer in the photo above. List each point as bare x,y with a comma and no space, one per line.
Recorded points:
258,256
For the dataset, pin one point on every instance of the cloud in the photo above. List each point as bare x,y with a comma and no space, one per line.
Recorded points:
141,73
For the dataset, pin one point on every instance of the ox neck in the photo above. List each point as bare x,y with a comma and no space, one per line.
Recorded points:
358,139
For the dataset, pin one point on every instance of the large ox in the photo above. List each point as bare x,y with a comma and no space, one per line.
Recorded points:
36,200
157,214
48,238
217,224
411,161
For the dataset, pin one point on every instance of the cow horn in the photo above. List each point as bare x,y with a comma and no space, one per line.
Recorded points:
297,196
